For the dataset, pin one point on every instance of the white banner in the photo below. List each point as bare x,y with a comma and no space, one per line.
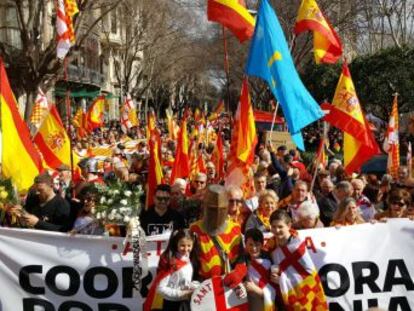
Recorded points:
364,265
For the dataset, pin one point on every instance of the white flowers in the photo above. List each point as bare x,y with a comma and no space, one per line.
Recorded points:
110,201
123,202
102,200
127,193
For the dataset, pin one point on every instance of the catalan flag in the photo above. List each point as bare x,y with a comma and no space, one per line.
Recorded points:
20,160
392,142
53,141
218,156
233,15
346,114
244,141
327,46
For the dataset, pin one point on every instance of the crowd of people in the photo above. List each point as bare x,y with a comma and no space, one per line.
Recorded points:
206,219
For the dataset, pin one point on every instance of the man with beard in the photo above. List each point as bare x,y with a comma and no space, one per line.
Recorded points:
220,240
45,209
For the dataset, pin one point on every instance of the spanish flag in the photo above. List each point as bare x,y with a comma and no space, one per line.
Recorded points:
20,160
327,46
181,168
155,174
95,114
52,140
346,114
233,15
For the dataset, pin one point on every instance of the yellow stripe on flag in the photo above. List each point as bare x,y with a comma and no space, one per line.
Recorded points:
240,9
14,152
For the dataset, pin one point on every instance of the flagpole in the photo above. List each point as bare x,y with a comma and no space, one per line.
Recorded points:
274,117
68,114
318,160
226,68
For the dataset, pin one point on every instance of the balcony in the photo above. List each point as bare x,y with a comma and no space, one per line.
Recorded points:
85,75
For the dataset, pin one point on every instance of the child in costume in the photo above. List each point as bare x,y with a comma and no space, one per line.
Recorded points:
173,285
261,293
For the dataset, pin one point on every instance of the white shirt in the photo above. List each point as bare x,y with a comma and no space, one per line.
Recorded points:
173,285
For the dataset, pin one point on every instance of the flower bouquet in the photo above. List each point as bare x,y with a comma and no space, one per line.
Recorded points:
8,199
117,204
118,208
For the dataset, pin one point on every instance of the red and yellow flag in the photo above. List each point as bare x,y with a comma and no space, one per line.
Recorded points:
53,141
65,13
327,46
20,160
40,109
171,125
392,141
181,168
233,15
244,141
217,112
346,114
79,122
95,114
218,157
321,155
155,174
246,128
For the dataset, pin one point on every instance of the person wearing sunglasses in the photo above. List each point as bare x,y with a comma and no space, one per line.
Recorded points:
398,202
238,212
160,218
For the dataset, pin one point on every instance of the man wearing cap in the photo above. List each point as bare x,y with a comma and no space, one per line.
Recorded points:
220,239
45,209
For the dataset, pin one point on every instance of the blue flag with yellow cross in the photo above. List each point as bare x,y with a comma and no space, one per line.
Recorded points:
270,59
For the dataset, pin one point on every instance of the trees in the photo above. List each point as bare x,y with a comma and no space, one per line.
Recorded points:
31,56
376,77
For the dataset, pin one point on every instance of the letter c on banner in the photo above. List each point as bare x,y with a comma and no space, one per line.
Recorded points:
24,279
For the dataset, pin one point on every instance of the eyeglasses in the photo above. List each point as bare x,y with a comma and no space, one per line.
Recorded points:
399,203
163,199
235,201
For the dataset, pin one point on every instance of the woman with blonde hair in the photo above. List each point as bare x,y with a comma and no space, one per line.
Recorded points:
348,213
268,200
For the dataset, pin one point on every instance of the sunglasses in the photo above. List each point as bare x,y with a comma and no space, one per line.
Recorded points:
399,203
163,199
237,201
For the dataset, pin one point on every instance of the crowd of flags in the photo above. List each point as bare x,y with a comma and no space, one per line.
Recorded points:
48,146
